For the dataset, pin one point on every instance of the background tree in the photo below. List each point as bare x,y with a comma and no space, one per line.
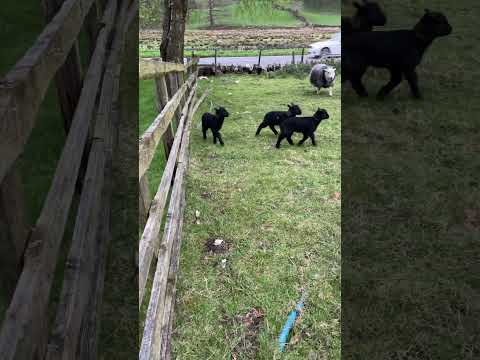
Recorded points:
211,9
174,19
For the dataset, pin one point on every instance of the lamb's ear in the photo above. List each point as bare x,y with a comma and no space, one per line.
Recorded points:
357,5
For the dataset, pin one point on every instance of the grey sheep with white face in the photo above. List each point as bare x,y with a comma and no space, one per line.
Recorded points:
323,76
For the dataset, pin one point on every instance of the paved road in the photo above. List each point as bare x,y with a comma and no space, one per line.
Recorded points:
265,61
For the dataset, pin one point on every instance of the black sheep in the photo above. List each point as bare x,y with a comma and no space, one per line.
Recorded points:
398,51
214,123
274,118
305,125
368,15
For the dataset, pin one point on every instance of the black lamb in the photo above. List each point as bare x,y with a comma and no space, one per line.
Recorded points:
214,123
305,125
368,15
398,51
274,118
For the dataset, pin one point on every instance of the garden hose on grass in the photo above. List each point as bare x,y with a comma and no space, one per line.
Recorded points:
292,318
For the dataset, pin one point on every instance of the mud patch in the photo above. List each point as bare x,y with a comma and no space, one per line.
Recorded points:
216,245
206,195
246,328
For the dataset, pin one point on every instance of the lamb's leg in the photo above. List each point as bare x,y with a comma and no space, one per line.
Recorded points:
355,77
395,79
330,91
260,127
412,79
358,86
204,131
312,136
279,140
214,134
305,137
273,129
219,136
289,138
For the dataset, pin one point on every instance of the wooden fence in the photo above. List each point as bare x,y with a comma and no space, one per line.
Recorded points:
90,107
176,87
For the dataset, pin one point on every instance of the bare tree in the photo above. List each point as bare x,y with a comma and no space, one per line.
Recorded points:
175,16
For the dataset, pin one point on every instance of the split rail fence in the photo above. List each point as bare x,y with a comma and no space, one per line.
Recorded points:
176,88
90,107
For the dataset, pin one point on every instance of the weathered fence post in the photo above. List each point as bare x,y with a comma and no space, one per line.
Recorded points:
162,100
92,22
172,86
303,53
293,57
13,229
145,199
259,57
215,68
180,82
69,77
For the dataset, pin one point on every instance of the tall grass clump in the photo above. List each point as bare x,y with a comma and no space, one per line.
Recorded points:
301,71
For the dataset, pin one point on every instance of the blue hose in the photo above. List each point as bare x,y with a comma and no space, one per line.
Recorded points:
292,317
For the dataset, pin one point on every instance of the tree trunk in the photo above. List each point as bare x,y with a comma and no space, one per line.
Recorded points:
211,7
175,16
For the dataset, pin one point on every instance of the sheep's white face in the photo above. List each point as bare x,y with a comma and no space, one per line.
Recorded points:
329,74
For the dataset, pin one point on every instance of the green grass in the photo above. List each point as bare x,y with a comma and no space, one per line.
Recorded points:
327,18
229,53
411,212
277,210
147,113
234,15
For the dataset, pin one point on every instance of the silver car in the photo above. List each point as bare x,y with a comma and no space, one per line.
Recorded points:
327,48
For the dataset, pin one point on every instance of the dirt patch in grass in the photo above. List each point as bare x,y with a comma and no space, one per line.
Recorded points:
216,245
246,328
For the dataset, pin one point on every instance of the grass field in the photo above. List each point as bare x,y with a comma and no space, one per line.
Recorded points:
327,18
234,16
410,217
279,210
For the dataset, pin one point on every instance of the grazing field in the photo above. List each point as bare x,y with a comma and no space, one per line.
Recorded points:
261,15
419,159
235,15
278,212
325,18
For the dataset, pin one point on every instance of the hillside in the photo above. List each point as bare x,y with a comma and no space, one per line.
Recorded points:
248,13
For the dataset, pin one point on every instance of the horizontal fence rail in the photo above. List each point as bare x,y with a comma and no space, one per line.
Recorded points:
153,67
26,332
176,103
